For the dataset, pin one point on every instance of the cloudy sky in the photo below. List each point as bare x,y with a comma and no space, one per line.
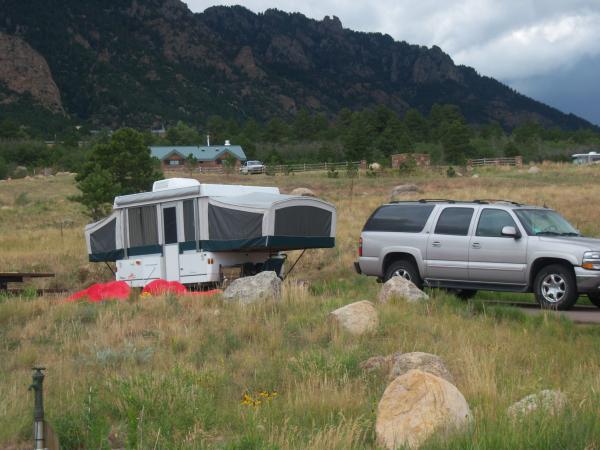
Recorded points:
547,49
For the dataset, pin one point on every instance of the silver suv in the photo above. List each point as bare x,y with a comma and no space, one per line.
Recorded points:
490,245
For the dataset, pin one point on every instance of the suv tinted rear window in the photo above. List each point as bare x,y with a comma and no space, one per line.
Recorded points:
399,218
454,221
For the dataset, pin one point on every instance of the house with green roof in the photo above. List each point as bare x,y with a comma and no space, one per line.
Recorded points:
174,156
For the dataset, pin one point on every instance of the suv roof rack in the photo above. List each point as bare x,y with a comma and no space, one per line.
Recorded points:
494,200
427,200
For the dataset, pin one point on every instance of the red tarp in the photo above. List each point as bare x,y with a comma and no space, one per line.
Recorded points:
162,287
118,290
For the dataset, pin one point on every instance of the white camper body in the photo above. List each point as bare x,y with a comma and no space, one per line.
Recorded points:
188,232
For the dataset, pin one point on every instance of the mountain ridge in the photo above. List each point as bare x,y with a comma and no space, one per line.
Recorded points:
145,62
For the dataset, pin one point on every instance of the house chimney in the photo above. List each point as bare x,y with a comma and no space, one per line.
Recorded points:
227,143
208,140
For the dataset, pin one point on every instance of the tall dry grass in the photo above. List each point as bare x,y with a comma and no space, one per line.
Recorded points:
171,372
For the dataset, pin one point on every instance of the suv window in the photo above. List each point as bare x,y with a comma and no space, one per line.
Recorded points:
454,221
491,222
399,218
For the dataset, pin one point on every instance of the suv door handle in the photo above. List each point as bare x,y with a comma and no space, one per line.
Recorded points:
476,245
436,244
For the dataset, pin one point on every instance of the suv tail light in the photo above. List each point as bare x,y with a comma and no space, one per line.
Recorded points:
360,247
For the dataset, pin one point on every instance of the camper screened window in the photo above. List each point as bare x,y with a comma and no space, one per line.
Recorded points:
189,228
143,229
104,239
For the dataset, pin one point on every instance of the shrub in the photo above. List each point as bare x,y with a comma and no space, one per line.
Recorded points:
450,172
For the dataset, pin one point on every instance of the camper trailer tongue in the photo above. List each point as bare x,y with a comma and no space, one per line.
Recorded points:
188,232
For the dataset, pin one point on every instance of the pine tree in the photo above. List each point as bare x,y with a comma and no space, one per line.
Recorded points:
122,166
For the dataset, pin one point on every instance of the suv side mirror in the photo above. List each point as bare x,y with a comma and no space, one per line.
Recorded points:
511,232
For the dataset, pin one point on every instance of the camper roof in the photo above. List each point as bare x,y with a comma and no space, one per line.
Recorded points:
178,188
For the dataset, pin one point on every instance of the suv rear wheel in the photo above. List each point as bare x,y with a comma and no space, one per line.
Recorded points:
594,298
405,269
555,287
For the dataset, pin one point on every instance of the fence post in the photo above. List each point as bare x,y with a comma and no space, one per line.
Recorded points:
38,409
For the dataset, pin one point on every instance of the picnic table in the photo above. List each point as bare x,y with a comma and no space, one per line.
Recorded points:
18,277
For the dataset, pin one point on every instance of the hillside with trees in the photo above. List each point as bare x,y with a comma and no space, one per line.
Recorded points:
372,134
144,63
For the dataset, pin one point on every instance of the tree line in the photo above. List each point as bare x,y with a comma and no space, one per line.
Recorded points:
372,134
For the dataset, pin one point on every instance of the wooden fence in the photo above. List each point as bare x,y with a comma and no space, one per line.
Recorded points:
512,161
280,168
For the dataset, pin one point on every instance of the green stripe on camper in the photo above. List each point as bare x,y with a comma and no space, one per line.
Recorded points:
214,245
269,242
113,255
144,250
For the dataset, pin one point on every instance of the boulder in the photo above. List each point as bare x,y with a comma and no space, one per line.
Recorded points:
534,169
402,288
375,167
405,189
415,406
405,362
248,290
475,176
356,318
305,192
548,401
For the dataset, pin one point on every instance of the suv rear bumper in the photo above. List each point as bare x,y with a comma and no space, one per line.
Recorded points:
587,280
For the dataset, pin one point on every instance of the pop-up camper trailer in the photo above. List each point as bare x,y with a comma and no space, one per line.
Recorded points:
188,232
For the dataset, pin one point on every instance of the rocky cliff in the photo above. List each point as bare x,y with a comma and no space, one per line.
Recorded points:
143,62
25,71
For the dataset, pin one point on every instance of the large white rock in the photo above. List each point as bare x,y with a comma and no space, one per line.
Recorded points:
251,289
402,363
305,192
415,406
375,167
402,288
551,402
356,318
534,169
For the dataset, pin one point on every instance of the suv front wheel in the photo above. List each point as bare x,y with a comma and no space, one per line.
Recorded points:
405,269
555,287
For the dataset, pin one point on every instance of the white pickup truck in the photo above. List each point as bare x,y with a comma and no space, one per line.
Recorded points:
250,167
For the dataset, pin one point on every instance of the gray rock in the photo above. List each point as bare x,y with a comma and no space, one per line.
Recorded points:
402,288
356,318
249,290
534,169
550,402
404,362
405,189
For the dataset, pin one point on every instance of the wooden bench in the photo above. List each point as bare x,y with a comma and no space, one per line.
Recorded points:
18,277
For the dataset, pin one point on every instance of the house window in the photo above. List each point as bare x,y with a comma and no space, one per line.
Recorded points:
174,162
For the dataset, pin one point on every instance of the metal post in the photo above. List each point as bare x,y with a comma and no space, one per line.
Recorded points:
38,409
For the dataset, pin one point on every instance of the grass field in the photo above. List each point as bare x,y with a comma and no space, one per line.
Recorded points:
171,373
